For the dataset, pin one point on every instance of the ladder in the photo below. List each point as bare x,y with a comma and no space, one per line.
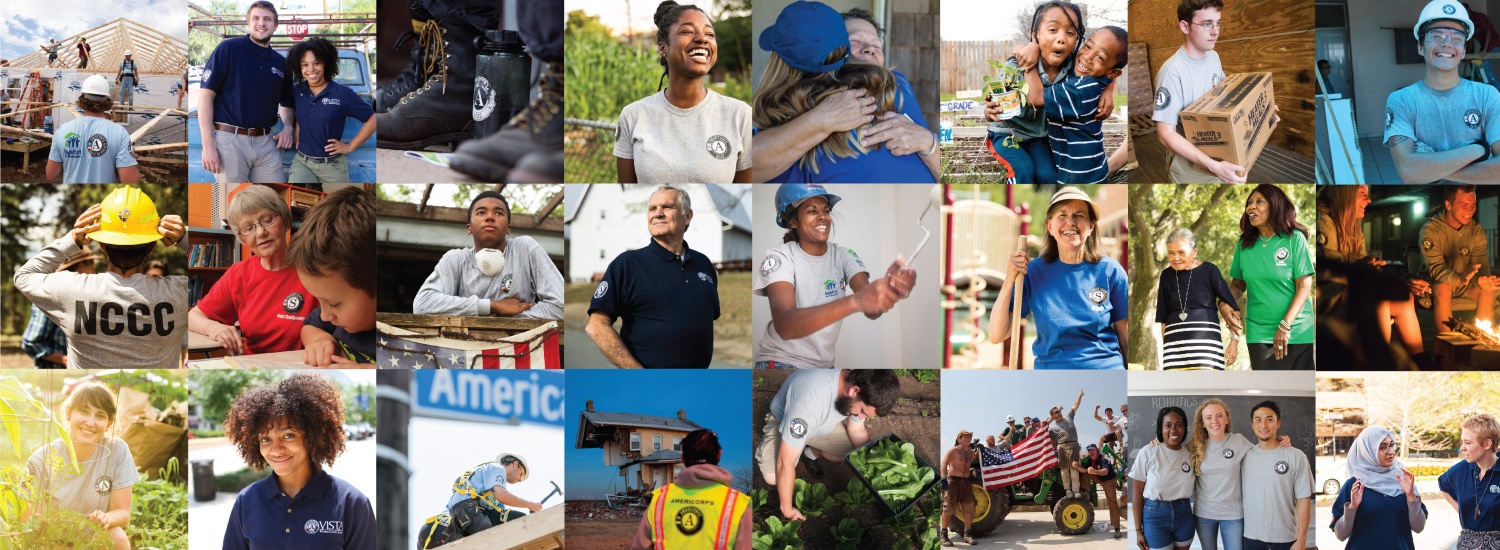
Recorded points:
31,97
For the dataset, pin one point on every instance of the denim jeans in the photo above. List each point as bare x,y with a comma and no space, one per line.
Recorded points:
1167,523
1252,544
1209,530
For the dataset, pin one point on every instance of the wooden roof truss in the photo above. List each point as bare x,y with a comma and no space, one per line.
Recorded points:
154,52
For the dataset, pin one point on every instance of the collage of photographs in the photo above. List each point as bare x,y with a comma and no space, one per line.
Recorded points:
271,290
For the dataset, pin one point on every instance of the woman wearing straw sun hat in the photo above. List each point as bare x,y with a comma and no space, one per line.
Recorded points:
1079,295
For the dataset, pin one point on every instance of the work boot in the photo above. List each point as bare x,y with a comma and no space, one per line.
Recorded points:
964,532
437,107
946,540
538,127
538,167
812,462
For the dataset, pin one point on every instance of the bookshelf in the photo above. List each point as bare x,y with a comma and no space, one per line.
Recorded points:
212,247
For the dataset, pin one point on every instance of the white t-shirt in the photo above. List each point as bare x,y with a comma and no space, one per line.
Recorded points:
1168,474
1217,493
705,143
816,280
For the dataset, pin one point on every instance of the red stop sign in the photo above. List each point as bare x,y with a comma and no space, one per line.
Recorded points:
296,28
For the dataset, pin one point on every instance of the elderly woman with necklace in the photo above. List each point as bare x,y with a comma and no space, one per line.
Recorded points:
1190,297
1273,269
1471,486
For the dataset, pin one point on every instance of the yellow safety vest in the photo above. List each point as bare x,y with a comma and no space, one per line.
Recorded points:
707,517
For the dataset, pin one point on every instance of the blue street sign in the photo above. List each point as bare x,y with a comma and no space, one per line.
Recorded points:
491,396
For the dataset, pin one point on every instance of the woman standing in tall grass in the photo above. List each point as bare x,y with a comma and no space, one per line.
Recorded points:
687,132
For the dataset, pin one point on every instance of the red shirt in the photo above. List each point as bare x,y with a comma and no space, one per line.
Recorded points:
269,305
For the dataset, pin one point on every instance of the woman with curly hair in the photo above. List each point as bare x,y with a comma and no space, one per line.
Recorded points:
1273,270
322,107
296,428
99,488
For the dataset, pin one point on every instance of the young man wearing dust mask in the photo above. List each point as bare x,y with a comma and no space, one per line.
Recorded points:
497,276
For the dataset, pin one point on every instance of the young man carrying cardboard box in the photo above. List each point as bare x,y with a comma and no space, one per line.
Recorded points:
1189,74
1443,128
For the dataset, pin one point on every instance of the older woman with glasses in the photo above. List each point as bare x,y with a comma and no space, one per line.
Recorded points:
261,294
1379,506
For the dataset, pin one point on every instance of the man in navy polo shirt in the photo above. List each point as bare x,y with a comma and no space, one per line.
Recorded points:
326,513
243,83
667,293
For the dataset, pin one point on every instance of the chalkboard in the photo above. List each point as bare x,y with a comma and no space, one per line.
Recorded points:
1298,418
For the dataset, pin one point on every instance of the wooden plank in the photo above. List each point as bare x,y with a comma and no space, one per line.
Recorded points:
406,320
146,128
162,147
28,133
455,215
549,207
540,531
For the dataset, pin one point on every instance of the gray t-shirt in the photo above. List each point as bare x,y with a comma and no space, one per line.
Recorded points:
1217,493
1064,430
1273,481
705,143
89,490
804,406
111,321
816,280
1444,120
92,150
1168,474
457,287
1181,81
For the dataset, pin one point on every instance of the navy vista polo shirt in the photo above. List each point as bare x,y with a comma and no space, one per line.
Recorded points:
327,513
668,303
1462,482
321,117
249,83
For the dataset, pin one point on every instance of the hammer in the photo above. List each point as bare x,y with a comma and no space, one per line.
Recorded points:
555,491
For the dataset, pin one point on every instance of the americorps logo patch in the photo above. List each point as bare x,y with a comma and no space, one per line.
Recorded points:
799,428
1282,467
771,264
602,290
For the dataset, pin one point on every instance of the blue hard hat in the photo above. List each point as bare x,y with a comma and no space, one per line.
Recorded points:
805,34
789,195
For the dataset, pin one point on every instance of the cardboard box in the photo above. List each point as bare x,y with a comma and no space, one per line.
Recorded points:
1232,122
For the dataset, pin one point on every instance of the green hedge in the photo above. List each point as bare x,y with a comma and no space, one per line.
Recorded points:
234,482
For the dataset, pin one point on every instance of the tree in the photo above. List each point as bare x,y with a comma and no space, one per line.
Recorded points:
201,44
1426,410
217,389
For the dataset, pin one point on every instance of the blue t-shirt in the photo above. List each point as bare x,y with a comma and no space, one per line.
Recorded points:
877,166
92,150
484,478
1380,523
356,346
1463,484
321,118
668,305
249,83
1074,132
327,513
1076,307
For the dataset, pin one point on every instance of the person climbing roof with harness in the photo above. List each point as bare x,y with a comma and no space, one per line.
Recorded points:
480,500
698,509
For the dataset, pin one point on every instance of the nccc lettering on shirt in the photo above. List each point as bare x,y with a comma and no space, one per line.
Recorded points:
94,318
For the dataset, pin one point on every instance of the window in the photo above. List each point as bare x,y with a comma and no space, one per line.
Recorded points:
677,443
635,441
656,442
601,253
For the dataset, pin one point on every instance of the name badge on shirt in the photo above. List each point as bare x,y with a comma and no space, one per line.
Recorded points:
1098,295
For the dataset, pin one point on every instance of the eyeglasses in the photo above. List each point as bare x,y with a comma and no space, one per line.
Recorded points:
1209,25
264,221
1389,448
1439,36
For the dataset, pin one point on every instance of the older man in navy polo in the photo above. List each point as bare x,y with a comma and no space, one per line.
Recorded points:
243,84
666,293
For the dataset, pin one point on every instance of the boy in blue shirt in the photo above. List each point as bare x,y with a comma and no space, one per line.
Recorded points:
1072,106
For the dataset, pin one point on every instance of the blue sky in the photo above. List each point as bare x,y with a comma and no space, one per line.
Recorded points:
717,400
979,400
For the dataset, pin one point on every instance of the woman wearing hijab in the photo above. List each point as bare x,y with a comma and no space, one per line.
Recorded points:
1378,508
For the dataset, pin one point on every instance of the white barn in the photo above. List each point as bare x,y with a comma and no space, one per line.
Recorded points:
615,221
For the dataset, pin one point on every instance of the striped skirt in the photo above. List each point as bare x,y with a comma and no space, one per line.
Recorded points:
1193,344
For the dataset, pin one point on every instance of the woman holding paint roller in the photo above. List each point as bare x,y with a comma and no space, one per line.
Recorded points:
805,278
1078,294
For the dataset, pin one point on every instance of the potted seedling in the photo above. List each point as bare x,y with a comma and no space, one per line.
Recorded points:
1007,88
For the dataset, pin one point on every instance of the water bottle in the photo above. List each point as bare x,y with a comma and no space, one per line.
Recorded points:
47,124
502,80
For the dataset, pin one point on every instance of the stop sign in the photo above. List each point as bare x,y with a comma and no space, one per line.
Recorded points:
296,28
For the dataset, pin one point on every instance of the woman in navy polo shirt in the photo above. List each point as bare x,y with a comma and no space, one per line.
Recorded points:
1378,506
1470,486
296,428
322,105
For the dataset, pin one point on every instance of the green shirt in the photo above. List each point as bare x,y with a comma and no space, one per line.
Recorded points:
1269,269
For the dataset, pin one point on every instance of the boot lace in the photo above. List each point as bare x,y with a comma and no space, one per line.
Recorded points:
548,104
434,53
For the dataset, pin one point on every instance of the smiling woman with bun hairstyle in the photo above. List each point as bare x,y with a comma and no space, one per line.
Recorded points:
686,132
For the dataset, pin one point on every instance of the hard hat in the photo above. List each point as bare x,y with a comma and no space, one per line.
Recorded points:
525,470
96,85
1444,9
128,218
790,195
127,52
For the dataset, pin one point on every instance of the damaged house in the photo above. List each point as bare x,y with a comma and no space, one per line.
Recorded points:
646,449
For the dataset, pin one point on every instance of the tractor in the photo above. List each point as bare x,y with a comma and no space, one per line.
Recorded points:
1072,516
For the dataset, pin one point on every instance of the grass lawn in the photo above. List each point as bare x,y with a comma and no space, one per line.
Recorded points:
732,332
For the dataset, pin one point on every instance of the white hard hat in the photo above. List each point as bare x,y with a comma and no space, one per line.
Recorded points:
1444,9
96,85
525,470
127,52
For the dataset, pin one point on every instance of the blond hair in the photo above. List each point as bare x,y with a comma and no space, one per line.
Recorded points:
1484,426
786,93
1198,443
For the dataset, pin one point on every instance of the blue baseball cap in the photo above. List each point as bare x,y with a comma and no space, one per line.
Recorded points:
1091,447
805,34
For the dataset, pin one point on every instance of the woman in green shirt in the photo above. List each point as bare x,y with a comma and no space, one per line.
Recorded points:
1273,269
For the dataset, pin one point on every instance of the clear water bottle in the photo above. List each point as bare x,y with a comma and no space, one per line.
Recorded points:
502,80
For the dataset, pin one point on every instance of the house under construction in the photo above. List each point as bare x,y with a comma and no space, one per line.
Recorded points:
32,92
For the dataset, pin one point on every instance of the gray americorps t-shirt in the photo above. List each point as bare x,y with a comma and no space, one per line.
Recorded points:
100,474
1181,81
705,143
804,406
1064,430
1168,474
1443,120
1273,481
1217,493
457,287
817,280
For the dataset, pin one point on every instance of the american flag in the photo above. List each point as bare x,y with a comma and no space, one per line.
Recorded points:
534,349
1023,461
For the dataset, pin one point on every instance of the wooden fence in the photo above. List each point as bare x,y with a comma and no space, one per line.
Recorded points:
963,62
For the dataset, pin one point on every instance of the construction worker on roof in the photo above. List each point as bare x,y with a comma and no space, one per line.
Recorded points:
123,318
481,498
697,509
1443,128
92,148
126,78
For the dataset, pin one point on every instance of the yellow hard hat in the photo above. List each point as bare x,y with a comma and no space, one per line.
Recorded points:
128,218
